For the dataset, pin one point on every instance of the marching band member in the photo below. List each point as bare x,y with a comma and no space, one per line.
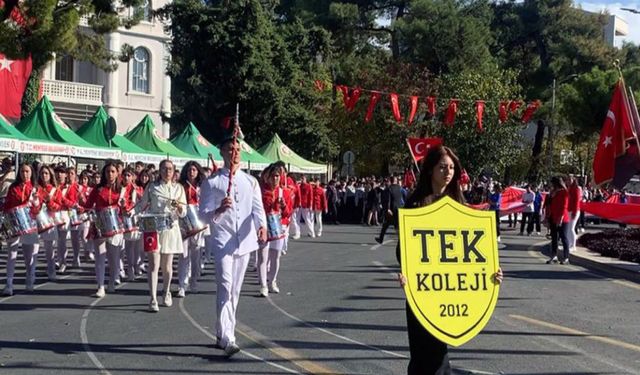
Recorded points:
105,195
297,209
83,229
48,196
319,205
20,193
132,239
286,182
306,202
191,177
277,205
72,202
68,198
231,202
166,198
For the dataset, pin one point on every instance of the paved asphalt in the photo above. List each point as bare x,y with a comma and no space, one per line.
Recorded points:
340,311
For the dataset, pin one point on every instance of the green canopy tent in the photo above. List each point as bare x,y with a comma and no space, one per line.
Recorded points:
252,159
10,137
190,140
146,137
275,149
48,134
93,131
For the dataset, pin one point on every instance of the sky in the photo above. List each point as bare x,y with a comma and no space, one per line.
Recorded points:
633,20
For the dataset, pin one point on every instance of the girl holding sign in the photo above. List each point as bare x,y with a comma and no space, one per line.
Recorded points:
439,176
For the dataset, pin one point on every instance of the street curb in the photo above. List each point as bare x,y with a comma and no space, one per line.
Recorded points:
583,257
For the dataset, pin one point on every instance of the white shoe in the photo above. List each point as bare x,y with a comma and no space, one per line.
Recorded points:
167,301
118,281
62,268
295,237
153,306
498,238
181,293
8,291
264,291
231,349
319,234
274,288
537,233
100,293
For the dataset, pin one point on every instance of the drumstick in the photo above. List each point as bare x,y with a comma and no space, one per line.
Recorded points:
234,152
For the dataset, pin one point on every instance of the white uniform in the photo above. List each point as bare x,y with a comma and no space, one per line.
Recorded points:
158,196
234,237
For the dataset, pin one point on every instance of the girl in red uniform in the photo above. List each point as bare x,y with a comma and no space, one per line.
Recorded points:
559,220
49,196
189,266
84,189
278,206
106,195
68,199
133,240
21,193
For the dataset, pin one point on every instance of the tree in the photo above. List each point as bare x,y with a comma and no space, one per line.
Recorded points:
238,53
51,28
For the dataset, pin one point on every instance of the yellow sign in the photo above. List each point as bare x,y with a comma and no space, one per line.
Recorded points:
449,254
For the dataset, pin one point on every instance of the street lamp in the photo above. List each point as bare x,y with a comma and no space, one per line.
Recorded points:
553,112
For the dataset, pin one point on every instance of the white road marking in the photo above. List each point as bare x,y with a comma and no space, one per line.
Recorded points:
375,247
38,287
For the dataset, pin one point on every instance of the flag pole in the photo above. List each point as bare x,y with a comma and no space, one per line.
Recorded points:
415,162
628,107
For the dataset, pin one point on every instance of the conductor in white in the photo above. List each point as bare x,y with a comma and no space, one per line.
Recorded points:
238,225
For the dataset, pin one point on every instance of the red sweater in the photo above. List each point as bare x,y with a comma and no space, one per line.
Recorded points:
559,207
306,195
102,197
18,195
319,199
70,198
55,200
575,196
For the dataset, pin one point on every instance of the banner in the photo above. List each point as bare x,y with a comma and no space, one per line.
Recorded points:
14,75
449,254
375,96
627,213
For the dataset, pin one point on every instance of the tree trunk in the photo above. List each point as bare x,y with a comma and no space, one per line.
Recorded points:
533,175
395,45
31,92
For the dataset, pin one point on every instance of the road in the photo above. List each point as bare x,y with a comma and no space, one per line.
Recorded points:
340,311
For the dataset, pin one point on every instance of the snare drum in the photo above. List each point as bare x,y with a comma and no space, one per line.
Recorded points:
275,230
108,222
74,218
60,218
191,223
18,222
129,224
155,222
44,221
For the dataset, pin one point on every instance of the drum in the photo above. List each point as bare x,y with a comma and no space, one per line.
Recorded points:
44,221
74,217
275,230
18,222
191,223
129,224
108,222
59,218
155,222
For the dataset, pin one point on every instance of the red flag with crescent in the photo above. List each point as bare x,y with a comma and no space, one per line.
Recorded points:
414,109
395,107
431,105
150,241
503,111
450,114
479,113
375,96
420,146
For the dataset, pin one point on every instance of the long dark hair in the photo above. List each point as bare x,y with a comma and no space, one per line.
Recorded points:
557,183
52,176
117,186
424,187
184,178
144,172
19,180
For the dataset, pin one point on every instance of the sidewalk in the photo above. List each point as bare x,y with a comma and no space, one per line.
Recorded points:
590,259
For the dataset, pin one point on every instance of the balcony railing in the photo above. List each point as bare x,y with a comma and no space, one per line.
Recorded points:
73,92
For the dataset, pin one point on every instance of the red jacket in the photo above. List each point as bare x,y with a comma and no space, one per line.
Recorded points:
129,192
270,203
294,191
55,200
102,197
306,195
18,195
69,199
319,199
559,207
191,192
575,196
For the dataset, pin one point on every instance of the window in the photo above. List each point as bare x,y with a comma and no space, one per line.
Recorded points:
64,69
140,71
147,13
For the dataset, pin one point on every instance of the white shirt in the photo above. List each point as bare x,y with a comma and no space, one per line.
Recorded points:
233,231
528,199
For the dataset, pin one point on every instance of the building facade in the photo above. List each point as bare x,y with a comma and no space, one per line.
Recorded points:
136,88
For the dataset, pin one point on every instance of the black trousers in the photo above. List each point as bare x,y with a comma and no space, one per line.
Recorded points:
559,231
526,217
534,219
498,222
429,355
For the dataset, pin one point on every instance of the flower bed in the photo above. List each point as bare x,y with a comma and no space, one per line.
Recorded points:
614,243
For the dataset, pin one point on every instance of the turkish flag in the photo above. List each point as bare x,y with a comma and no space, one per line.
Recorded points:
431,105
531,109
450,114
395,107
375,96
14,75
420,146
353,98
150,241
611,157
414,109
409,178
503,113
479,113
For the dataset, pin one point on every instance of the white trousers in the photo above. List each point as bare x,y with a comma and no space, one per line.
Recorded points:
295,222
189,264
134,253
103,249
317,218
268,265
230,270
307,214
571,230
30,253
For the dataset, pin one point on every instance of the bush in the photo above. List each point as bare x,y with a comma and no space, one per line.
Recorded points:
615,243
